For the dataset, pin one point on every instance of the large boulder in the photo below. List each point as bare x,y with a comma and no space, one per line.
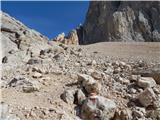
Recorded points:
98,109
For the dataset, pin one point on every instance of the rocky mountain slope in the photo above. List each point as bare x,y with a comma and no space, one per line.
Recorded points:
121,21
45,80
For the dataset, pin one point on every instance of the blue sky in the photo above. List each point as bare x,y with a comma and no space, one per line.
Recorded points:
48,17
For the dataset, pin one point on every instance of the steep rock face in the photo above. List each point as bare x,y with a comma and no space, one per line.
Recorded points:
122,21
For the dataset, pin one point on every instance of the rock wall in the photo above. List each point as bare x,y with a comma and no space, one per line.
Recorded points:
122,21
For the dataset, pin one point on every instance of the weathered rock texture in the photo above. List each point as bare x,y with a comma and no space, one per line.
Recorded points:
121,21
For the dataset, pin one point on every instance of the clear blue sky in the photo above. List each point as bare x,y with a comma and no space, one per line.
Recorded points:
48,17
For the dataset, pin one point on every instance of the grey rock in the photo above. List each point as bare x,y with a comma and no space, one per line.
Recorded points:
147,97
97,75
109,70
37,75
100,109
126,115
80,97
152,72
139,112
34,61
32,86
89,83
125,21
145,82
25,84
68,96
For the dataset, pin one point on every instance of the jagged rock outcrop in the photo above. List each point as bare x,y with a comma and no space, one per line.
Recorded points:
121,21
70,39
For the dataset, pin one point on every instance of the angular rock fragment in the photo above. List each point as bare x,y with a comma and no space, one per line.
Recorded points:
97,75
80,97
98,108
89,83
145,82
68,96
37,75
147,97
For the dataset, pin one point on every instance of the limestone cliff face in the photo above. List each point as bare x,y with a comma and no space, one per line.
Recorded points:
122,21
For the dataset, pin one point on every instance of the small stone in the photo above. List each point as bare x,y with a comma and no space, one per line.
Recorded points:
123,80
94,63
4,59
68,96
36,69
122,64
34,61
115,64
31,86
134,78
96,75
157,102
109,70
33,114
126,114
77,64
139,112
145,82
147,97
132,91
37,75
117,70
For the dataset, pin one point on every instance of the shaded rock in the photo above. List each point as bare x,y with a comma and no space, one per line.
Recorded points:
109,70
134,78
98,108
4,59
25,84
128,21
31,86
139,112
37,75
147,97
80,97
34,61
89,83
97,75
153,72
126,115
153,114
68,96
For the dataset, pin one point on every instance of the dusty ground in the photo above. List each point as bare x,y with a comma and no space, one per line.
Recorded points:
49,96
138,51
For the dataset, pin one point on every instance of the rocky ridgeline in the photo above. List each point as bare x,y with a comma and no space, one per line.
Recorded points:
83,86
